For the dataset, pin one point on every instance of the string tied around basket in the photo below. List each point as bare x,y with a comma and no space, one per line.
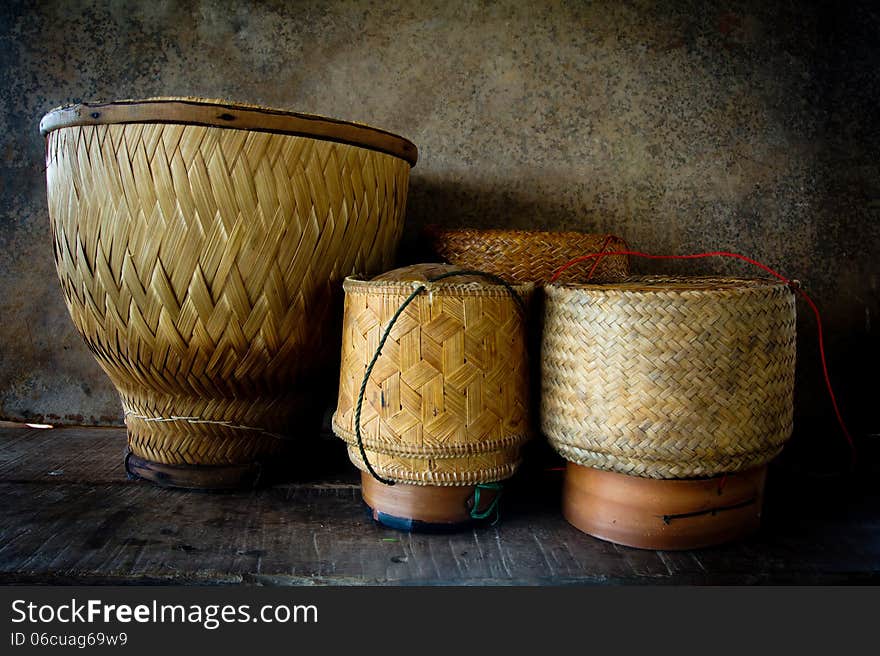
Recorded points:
419,287
198,420
793,284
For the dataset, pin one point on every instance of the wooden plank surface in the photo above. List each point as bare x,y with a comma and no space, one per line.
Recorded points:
70,515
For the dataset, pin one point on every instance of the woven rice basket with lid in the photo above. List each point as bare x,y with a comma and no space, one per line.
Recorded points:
529,255
668,378
447,402
198,244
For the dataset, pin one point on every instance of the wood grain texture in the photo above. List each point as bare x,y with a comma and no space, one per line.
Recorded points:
89,524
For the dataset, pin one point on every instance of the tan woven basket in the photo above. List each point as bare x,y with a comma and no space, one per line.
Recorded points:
669,377
529,255
447,402
199,245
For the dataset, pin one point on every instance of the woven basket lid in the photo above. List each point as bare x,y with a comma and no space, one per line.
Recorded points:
671,284
404,279
424,272
219,113
530,255
540,237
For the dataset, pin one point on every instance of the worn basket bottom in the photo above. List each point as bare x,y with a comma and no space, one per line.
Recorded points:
663,514
197,430
201,477
426,508
187,445
202,456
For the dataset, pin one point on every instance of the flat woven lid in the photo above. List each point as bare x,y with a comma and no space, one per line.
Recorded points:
674,283
550,236
219,113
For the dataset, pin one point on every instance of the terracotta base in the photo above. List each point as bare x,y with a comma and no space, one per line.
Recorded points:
428,508
196,477
663,514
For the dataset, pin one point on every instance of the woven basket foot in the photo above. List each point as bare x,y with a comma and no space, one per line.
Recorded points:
425,508
650,513
198,477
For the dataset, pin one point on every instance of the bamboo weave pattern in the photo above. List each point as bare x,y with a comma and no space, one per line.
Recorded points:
669,377
199,264
529,255
447,402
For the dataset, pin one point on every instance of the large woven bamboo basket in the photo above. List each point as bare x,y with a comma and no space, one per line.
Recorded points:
198,246
669,377
529,255
447,401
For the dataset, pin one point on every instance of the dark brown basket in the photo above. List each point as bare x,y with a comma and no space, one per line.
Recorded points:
530,255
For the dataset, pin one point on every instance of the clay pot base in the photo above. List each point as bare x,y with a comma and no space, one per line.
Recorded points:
197,477
650,513
424,508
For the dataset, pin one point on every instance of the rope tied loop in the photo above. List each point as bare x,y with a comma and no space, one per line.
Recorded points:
493,509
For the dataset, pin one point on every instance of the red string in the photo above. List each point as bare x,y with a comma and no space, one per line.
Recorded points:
602,248
763,267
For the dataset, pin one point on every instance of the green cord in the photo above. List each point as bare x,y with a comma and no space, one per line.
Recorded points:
403,306
493,507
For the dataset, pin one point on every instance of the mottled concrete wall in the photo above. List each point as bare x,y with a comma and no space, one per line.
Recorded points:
683,126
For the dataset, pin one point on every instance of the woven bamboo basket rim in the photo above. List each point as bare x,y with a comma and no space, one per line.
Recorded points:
670,284
358,285
504,233
446,451
230,115
636,452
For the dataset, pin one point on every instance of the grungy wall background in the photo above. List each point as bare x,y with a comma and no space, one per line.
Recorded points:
683,126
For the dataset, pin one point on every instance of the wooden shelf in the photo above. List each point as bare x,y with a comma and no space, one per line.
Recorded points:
70,515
